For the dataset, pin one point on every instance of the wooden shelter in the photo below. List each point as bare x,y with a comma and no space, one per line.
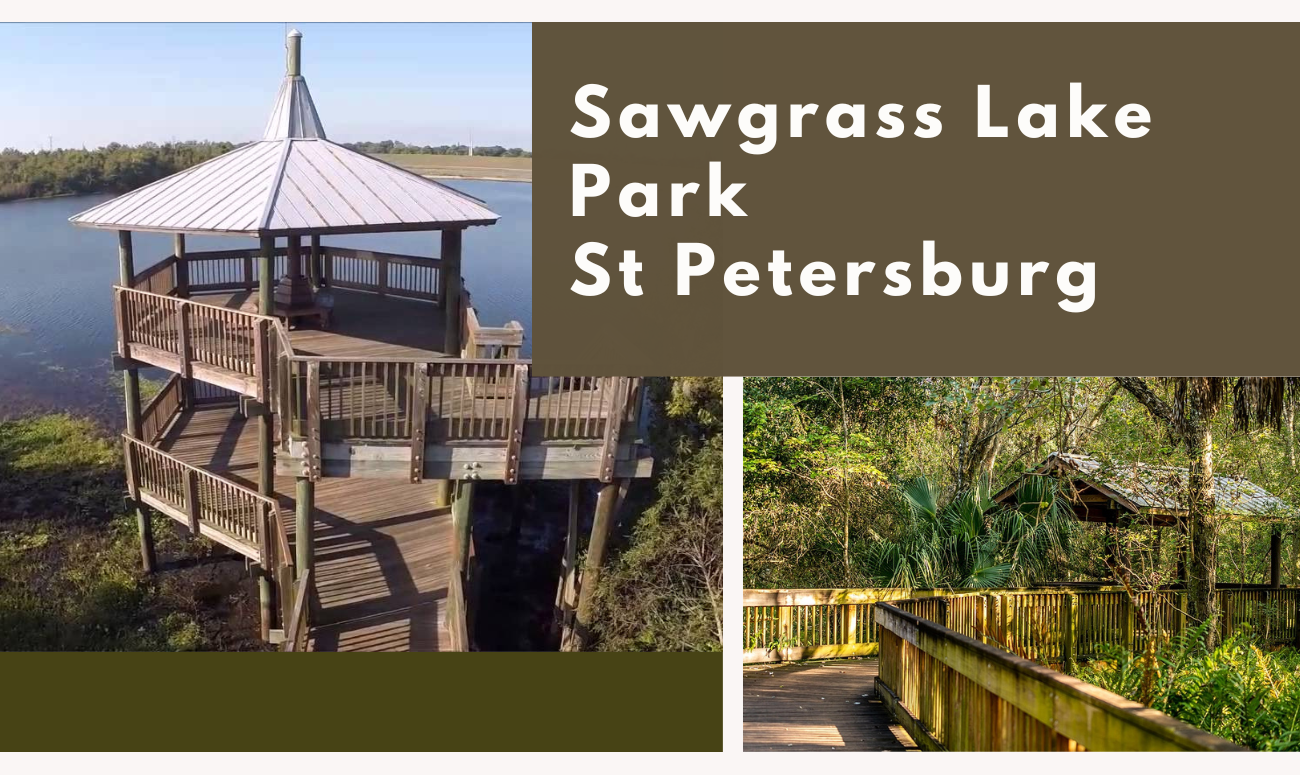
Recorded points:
358,390
1125,494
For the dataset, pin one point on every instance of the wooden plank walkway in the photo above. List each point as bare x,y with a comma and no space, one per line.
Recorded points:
383,554
818,706
365,325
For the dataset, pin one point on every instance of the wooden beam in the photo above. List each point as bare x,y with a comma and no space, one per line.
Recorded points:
312,463
192,506
462,519
304,544
566,593
314,268
182,266
451,282
419,407
606,509
266,276
515,427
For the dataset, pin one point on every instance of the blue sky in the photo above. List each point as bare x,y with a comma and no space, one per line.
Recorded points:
92,84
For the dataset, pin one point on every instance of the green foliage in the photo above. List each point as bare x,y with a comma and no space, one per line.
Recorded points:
944,428
664,592
114,168
1237,691
970,541
397,146
118,168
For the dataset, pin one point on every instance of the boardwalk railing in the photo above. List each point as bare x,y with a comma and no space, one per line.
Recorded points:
486,397
446,401
210,505
387,274
1054,626
159,278
952,692
158,414
220,346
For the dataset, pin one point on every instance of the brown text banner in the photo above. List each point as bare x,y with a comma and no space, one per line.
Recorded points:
1188,230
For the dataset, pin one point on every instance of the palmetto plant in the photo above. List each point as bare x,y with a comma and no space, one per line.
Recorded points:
971,541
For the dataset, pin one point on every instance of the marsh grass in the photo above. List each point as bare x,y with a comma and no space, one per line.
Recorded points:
70,576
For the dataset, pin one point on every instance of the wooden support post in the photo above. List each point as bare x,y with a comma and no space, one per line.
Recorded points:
1275,560
183,341
419,406
131,393
451,282
1004,621
442,493
311,456
314,264
982,619
126,259
462,518
266,602
183,291
304,545
1182,613
602,526
566,593
1130,629
266,277
192,506
783,630
182,266
850,623
1069,610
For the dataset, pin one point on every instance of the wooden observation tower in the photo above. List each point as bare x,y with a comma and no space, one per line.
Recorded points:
353,389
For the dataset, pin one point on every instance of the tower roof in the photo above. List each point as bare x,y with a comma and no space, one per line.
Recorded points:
292,181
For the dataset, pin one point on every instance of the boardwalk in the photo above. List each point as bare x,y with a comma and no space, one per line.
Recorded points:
383,554
818,706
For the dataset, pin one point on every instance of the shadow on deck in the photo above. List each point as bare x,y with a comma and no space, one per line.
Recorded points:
381,571
365,325
818,706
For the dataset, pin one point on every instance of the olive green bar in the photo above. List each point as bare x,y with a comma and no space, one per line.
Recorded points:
375,702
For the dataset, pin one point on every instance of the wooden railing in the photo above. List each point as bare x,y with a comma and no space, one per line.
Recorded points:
1054,626
478,341
952,692
214,271
322,400
184,336
386,274
208,504
159,278
161,409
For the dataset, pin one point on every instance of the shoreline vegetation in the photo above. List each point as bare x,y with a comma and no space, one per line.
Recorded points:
115,168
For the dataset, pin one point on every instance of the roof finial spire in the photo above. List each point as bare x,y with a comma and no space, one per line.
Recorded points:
293,42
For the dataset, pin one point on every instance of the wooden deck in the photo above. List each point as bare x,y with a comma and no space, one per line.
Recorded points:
383,555
365,325
818,706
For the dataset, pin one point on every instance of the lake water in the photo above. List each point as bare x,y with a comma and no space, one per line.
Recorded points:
56,309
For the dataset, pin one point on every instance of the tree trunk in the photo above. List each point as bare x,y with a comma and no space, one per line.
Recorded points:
1201,573
1288,418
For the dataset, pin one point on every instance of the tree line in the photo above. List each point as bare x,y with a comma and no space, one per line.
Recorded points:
397,146
117,168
